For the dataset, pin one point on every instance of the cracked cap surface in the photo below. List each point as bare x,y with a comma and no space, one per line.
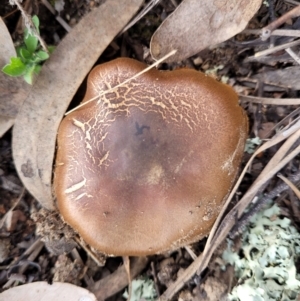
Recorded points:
145,168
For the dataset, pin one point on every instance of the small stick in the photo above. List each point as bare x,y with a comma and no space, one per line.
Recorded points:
88,251
270,101
293,55
243,222
113,283
277,32
58,18
33,250
10,13
2,221
126,262
77,257
191,252
290,184
141,14
277,48
266,31
155,278
292,2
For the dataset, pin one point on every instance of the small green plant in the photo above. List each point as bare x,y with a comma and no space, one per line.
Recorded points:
29,56
142,289
265,265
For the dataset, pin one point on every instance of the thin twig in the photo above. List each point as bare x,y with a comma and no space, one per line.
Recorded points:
191,252
125,82
266,31
58,18
10,13
153,272
29,22
2,221
270,101
113,283
291,185
293,2
277,48
33,251
277,32
244,221
293,55
141,14
88,251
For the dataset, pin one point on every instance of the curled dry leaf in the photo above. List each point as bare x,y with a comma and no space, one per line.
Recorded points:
196,25
13,90
35,129
47,292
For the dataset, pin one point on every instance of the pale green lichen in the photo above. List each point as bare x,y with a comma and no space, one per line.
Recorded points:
251,144
265,265
142,289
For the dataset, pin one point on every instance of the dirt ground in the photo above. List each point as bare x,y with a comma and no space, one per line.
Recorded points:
36,245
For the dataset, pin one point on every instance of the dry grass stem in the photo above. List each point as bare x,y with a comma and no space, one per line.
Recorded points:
290,184
277,32
191,252
28,22
140,15
58,18
294,2
126,262
266,31
123,83
118,280
276,48
293,55
255,208
271,101
33,251
2,221
88,251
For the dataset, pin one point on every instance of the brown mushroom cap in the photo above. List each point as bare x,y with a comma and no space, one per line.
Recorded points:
146,168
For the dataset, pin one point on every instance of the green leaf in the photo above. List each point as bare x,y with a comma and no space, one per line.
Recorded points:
35,59
25,54
15,68
18,50
37,69
51,48
28,76
42,55
36,22
31,42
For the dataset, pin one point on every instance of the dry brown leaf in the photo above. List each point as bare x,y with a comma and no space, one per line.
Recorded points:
196,25
35,129
57,291
13,90
286,78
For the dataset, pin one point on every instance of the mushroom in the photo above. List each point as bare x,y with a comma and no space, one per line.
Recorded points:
146,167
